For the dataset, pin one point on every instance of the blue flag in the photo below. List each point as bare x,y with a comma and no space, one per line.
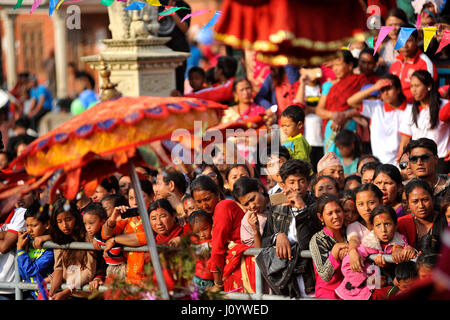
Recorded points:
136,6
52,6
403,36
213,20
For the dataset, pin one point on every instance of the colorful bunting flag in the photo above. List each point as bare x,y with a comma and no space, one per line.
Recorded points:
51,6
106,2
36,4
18,4
194,14
403,36
445,41
170,11
136,6
428,34
59,4
213,20
381,35
154,3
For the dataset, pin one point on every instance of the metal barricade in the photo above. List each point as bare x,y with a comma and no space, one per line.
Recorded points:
18,285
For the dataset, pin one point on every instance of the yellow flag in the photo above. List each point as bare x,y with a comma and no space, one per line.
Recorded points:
155,3
428,34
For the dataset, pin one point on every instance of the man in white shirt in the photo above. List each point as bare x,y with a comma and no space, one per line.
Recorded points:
9,229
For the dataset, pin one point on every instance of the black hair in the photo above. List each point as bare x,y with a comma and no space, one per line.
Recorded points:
370,187
434,97
325,199
236,165
295,166
317,179
428,260
443,19
147,187
352,177
346,195
238,80
22,122
365,156
398,13
40,213
380,209
370,166
295,113
118,199
87,76
95,208
245,185
390,170
79,232
163,204
65,103
422,143
280,151
203,166
418,183
199,215
177,177
209,75
197,70
228,65
110,183
349,138
370,52
205,183
348,58
396,83
405,270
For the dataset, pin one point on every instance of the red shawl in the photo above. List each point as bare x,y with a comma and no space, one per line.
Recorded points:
176,231
342,90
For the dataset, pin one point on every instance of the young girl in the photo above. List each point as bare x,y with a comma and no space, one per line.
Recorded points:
75,267
34,264
367,197
321,185
233,173
347,201
383,239
94,216
349,146
253,197
328,247
201,222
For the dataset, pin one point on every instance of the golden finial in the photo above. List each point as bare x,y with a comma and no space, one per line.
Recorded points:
108,89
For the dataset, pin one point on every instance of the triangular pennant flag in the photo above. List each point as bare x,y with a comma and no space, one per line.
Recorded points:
18,4
445,40
154,3
106,2
196,13
428,34
136,6
418,21
51,6
213,20
370,42
59,4
403,36
170,10
36,4
381,35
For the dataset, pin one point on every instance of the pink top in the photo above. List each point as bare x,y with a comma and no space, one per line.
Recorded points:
325,289
247,233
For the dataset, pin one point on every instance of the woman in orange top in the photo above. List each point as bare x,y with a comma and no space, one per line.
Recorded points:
127,230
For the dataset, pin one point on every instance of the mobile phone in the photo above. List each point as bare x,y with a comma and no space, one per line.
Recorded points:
278,198
131,212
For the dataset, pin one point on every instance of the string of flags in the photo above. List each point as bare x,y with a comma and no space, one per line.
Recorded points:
137,5
405,33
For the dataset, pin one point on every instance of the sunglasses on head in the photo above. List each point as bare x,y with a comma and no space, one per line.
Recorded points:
403,165
423,158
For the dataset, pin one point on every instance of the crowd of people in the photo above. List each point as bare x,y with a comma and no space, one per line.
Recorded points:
362,169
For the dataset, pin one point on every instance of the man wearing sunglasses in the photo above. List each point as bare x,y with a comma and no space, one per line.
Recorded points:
423,160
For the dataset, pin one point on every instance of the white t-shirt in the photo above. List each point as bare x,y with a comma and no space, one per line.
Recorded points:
440,134
384,127
313,123
15,224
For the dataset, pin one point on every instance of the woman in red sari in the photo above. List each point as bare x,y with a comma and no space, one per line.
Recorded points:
232,270
333,107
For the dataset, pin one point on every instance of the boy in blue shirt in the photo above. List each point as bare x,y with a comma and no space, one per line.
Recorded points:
41,102
292,121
